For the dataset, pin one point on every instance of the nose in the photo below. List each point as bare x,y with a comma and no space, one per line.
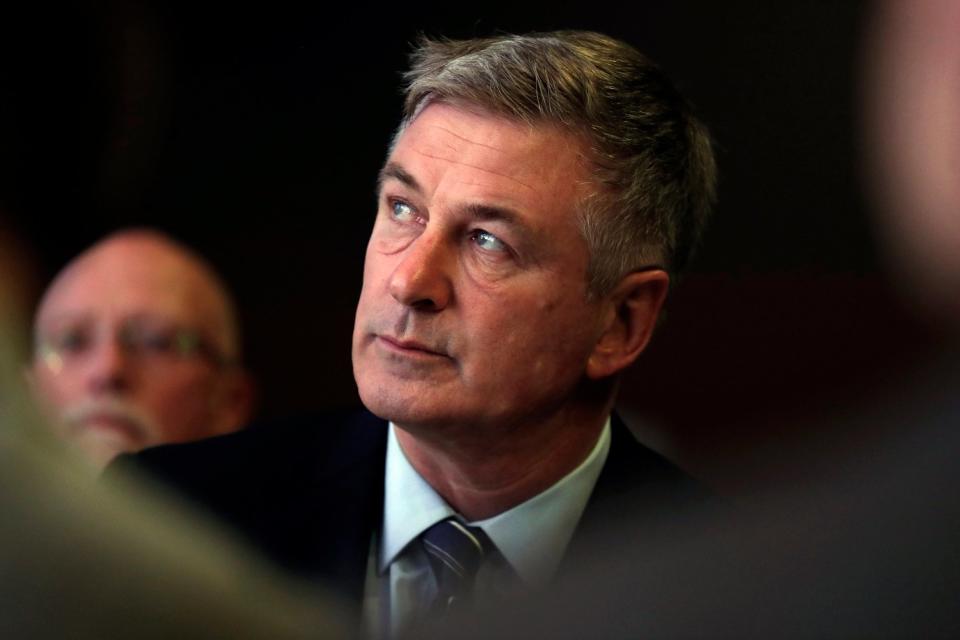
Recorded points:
108,367
422,279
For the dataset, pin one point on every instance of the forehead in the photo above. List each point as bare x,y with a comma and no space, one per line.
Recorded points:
127,278
473,153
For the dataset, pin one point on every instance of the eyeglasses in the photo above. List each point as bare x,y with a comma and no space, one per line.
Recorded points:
142,339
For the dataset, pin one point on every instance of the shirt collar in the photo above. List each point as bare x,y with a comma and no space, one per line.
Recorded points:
532,536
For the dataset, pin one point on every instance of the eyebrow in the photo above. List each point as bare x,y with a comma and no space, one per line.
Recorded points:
486,213
395,171
61,318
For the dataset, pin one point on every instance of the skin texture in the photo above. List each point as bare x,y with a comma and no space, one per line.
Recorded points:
108,399
474,332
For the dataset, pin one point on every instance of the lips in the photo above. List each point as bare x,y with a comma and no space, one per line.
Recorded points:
108,421
410,347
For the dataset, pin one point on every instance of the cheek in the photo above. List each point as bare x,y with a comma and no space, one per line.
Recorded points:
181,394
54,388
569,326
548,337
376,268
367,299
182,410
387,238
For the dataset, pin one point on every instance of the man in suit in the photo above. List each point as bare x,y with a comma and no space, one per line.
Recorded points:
539,195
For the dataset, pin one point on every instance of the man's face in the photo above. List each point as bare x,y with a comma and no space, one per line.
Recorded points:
126,351
474,307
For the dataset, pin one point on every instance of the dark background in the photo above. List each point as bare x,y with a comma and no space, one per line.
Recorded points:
255,134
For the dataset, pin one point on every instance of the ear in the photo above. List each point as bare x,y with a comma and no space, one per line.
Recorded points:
236,401
630,314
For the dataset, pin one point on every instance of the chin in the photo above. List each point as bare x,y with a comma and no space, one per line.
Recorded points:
406,409
385,404
375,398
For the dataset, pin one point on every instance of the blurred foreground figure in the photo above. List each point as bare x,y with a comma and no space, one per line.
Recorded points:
80,561
538,197
912,80
136,344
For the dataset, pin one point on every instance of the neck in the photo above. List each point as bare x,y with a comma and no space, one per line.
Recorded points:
482,476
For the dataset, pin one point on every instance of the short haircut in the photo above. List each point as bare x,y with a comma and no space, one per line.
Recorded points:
652,159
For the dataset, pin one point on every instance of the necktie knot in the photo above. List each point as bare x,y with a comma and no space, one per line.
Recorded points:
456,552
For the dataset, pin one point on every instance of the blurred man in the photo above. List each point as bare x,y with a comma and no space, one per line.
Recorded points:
136,344
537,197
82,560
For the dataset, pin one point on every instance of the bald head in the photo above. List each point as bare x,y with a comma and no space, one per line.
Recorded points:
140,270
136,344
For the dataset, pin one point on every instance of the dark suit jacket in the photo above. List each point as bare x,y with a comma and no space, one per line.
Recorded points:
309,492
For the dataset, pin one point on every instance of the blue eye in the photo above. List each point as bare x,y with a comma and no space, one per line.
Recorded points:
402,211
487,241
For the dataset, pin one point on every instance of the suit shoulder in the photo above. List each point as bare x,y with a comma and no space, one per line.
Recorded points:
633,468
271,448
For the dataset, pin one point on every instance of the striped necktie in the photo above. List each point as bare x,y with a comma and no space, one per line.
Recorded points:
455,552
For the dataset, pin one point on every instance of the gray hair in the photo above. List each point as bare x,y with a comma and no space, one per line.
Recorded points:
652,159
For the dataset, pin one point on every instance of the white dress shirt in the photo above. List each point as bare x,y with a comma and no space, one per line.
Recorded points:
530,538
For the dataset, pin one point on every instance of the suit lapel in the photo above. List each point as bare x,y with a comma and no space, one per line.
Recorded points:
636,487
340,508
315,501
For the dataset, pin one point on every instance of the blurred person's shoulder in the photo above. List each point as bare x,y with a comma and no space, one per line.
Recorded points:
638,475
310,438
230,473
278,484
